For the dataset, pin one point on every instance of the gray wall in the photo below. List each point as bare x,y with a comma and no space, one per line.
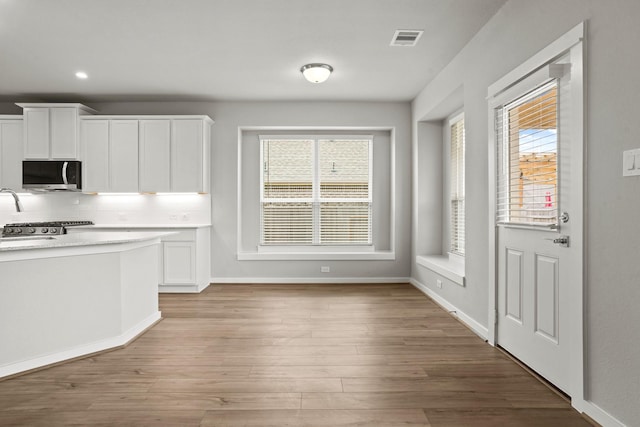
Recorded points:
519,30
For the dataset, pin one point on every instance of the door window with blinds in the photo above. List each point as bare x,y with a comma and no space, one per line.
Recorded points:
527,130
456,184
316,190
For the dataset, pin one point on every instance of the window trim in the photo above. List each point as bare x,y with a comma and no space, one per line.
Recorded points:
250,253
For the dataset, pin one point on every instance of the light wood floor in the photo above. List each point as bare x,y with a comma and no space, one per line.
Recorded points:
292,355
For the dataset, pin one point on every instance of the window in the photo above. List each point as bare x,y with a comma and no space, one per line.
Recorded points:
316,190
527,159
456,184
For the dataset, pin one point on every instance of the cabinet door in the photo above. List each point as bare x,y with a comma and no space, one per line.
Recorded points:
64,133
124,156
186,156
179,262
11,154
36,133
155,151
95,155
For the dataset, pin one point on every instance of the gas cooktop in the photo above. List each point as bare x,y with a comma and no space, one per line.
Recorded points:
40,228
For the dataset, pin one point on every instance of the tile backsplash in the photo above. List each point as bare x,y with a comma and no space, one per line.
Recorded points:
109,209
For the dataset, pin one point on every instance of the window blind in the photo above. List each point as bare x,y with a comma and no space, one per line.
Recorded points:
316,191
457,187
527,138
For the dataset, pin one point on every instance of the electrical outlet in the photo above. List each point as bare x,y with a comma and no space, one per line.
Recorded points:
325,269
439,283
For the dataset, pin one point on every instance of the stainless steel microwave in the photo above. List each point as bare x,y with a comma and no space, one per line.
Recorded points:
52,175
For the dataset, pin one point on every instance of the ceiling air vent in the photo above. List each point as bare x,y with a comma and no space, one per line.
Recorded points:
406,37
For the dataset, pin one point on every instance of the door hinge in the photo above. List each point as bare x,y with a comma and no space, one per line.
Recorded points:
495,317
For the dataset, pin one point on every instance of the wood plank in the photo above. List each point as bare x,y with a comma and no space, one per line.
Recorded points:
492,417
358,371
311,418
255,385
194,401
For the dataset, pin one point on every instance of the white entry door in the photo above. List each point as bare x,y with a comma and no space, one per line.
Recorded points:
539,222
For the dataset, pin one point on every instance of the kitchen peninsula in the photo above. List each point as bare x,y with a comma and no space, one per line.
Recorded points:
74,294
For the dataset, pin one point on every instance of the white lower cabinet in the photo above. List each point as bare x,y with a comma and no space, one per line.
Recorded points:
179,266
184,256
185,260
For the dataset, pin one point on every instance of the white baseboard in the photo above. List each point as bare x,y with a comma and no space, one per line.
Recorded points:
309,280
183,289
597,414
476,327
83,350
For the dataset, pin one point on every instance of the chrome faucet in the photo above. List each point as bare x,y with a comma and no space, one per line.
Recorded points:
15,198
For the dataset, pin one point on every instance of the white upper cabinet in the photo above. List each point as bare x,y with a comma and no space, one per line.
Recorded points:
147,154
189,155
123,156
64,133
94,136
155,155
36,132
109,155
11,152
51,130
174,154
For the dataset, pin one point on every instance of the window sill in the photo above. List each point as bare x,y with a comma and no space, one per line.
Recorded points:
444,265
317,256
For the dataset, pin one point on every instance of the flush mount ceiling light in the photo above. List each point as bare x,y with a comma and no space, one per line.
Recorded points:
316,73
82,75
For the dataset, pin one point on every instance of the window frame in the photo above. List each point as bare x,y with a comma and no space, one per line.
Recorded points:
316,200
503,208
448,190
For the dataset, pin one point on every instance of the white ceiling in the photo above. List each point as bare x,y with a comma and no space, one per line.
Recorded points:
227,49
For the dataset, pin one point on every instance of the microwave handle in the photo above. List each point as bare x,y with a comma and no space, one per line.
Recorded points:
65,180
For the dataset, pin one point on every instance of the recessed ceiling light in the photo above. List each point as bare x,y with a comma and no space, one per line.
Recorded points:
82,75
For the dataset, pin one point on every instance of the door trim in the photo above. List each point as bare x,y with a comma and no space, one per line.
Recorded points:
573,43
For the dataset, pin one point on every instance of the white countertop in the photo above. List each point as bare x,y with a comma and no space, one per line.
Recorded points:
79,239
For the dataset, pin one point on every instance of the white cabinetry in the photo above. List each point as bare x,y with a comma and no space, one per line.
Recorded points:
189,155
11,152
51,130
185,260
123,156
149,154
155,155
174,154
179,260
94,135
184,256
109,155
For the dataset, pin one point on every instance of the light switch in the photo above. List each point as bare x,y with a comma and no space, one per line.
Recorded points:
631,162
